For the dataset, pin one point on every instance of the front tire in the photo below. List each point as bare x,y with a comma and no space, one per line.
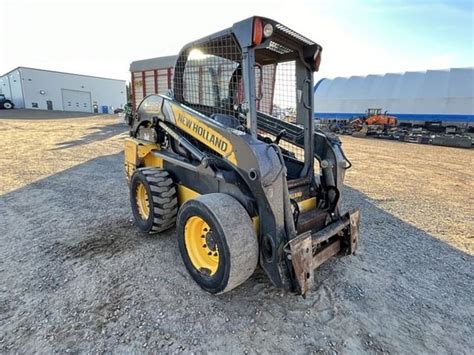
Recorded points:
7,105
217,242
153,199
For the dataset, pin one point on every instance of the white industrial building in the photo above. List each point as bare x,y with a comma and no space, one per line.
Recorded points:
51,90
432,95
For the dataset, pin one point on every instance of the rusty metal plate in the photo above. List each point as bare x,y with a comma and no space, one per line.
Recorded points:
302,260
331,250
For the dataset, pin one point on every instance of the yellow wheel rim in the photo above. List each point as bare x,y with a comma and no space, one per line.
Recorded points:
201,245
141,196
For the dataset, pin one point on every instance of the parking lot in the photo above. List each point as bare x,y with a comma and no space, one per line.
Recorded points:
78,276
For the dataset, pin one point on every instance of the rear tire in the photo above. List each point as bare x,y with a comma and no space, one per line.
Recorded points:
153,199
217,242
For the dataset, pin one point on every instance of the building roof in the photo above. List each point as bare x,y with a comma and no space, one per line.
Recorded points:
153,63
453,82
59,72
447,91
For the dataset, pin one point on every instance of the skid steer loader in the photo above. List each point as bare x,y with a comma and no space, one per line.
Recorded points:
230,157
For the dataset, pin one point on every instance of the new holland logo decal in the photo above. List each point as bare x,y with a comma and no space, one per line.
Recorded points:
203,133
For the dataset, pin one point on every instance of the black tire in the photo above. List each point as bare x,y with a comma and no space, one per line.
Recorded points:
232,234
161,196
7,105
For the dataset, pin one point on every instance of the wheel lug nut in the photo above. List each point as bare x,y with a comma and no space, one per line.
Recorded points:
204,246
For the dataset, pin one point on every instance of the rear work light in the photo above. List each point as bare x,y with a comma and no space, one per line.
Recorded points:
267,30
257,31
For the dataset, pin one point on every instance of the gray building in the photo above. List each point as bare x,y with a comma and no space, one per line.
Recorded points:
51,90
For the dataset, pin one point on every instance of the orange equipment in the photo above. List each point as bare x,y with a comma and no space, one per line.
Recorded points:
375,122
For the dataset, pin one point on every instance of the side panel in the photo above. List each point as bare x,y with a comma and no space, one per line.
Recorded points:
204,133
138,154
185,194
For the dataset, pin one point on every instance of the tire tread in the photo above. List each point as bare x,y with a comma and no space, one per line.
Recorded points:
164,198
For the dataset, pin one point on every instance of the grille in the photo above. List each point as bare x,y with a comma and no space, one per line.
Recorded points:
278,48
278,99
294,34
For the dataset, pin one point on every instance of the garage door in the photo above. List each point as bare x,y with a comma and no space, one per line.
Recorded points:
74,100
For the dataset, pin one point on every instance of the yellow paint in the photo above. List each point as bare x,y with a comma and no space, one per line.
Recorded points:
308,204
256,224
138,154
201,246
130,150
205,134
185,194
144,149
129,170
152,161
141,196
296,195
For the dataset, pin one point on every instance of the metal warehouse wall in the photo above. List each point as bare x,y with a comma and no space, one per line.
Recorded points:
44,89
151,76
66,91
10,86
445,95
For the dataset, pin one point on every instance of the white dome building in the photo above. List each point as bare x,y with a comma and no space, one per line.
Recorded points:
433,95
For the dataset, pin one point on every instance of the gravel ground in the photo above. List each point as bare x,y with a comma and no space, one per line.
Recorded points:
428,186
77,276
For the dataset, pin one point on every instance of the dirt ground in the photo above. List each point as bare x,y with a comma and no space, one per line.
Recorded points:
76,275
428,186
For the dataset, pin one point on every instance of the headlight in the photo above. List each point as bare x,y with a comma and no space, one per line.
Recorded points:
268,30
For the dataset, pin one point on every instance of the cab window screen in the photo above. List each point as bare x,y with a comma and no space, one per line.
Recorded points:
207,79
212,77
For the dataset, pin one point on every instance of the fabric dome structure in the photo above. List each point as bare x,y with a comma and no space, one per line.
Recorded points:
434,95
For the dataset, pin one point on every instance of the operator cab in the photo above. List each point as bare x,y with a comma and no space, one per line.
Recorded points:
248,77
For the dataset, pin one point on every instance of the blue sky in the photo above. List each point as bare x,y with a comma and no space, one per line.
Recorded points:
359,37
424,27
